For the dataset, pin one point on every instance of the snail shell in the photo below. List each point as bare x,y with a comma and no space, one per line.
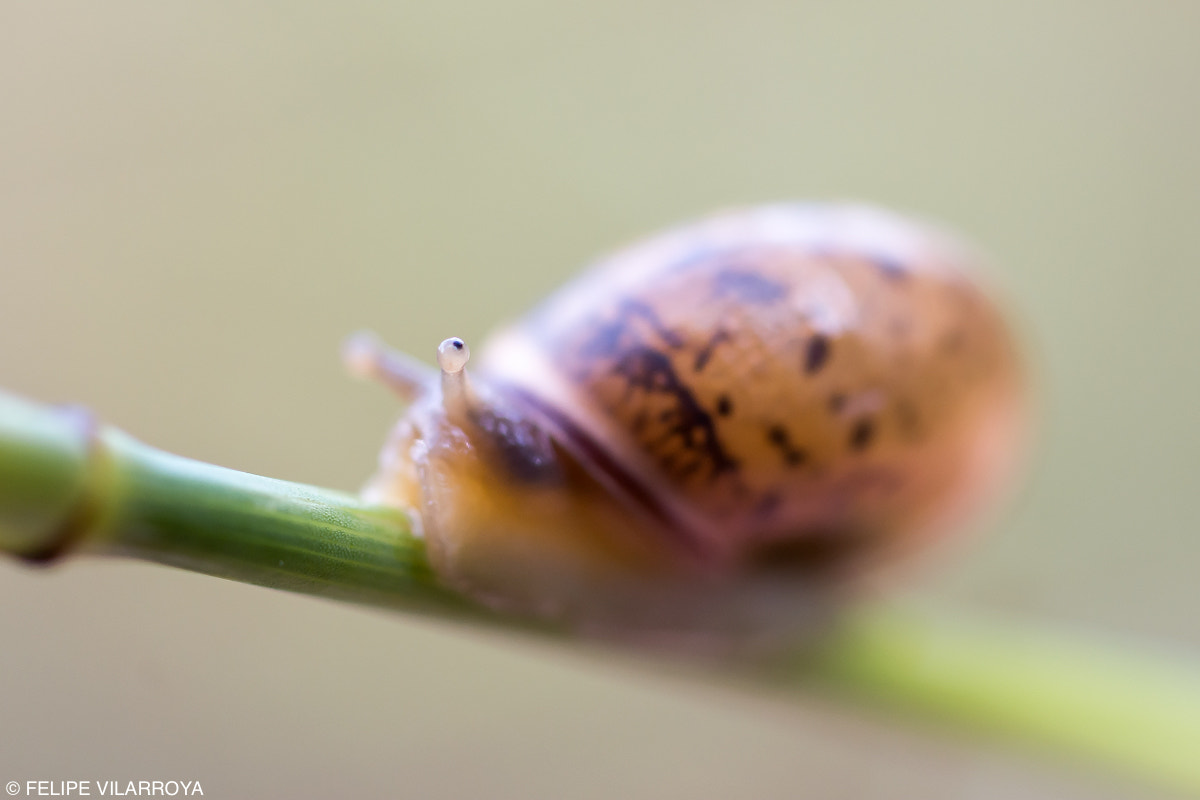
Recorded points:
715,431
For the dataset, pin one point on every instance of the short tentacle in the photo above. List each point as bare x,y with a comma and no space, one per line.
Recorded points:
367,357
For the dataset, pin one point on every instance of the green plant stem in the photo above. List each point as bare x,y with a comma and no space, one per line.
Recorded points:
68,485
1118,704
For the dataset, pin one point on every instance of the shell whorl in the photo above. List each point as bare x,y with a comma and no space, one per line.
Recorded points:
781,375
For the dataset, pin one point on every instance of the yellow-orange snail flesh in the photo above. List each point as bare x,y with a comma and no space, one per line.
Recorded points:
712,432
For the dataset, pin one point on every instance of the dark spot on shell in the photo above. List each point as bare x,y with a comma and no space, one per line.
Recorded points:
816,353
724,406
747,287
862,434
621,333
706,352
795,458
837,402
777,435
650,370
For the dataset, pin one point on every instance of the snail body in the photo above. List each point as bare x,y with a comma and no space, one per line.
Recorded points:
714,432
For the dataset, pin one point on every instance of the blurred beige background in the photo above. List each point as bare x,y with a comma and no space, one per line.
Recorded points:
198,201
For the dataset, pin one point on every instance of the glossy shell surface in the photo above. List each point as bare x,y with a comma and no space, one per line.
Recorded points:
780,383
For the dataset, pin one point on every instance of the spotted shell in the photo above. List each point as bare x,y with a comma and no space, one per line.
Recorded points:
786,381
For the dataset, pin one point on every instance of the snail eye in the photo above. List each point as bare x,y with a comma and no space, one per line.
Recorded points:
452,355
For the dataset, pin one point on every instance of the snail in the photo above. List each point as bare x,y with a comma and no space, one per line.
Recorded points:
714,432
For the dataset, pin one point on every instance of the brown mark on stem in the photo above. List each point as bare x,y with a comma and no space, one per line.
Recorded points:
85,510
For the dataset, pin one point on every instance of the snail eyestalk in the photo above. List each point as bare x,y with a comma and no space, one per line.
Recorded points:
453,355
367,357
